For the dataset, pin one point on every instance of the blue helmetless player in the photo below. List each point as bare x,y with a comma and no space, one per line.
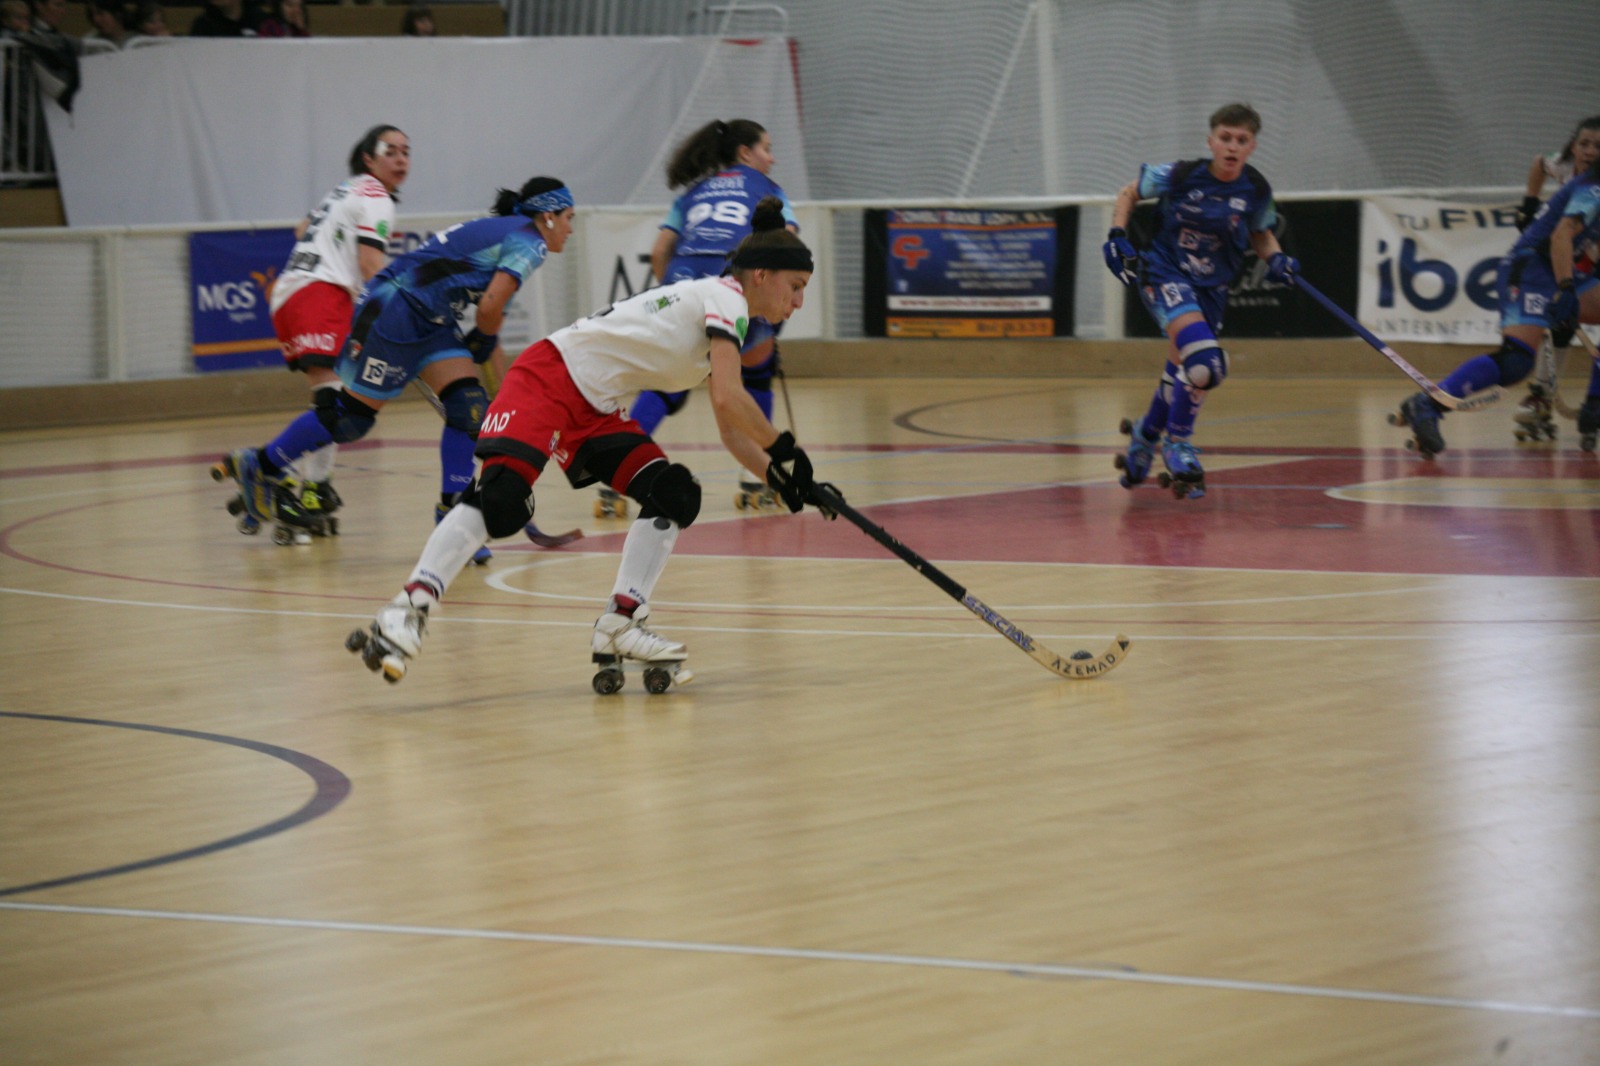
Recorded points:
723,168
1211,211
408,324
1546,282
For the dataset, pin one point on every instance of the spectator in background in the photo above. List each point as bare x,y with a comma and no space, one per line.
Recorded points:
287,18
109,19
14,18
226,18
151,21
418,22
55,55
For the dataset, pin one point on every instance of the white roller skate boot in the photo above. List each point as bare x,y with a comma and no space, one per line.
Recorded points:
618,638
394,637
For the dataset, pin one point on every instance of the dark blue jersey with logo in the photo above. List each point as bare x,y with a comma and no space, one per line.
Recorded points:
1580,199
1205,222
713,215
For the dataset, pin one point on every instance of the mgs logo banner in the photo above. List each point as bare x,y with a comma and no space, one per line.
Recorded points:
1428,269
232,274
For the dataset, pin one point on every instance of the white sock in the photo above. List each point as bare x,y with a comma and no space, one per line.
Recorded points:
644,556
450,548
317,465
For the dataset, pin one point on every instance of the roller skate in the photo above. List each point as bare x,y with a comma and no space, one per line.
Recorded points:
1422,415
305,510
610,504
1135,462
1534,418
754,496
262,500
618,638
1589,423
393,639
1183,474
480,557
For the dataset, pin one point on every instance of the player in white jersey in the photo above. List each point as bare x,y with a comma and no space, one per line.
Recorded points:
338,247
1534,418
563,399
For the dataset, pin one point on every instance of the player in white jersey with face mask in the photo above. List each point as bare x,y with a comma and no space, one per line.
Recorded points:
563,400
338,247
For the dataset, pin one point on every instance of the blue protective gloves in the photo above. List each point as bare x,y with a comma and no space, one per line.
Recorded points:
1122,258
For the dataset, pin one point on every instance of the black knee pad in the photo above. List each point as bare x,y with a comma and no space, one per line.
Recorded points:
1514,359
465,402
504,498
667,489
342,415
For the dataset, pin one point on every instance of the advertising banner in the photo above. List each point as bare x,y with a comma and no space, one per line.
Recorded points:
616,250
968,272
1428,269
1322,234
231,276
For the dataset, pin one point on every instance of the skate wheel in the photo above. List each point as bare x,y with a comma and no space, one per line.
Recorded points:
600,510
248,525
740,501
236,505
1120,462
333,527
1164,480
394,668
657,680
1126,427
219,471
608,681
283,536
1397,418
355,641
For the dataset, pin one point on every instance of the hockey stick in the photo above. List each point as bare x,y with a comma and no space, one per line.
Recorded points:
1081,666
1435,393
788,409
542,539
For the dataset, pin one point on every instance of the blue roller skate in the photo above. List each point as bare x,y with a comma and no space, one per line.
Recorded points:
480,557
1135,462
1422,415
1183,475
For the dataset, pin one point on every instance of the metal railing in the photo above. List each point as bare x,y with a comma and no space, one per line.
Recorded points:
643,18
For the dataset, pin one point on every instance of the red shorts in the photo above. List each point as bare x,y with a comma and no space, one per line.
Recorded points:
313,325
540,415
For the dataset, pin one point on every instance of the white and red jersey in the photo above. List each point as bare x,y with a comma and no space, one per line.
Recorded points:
659,339
358,211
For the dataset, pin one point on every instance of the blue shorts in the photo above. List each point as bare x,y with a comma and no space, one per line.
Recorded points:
1168,299
389,345
1526,288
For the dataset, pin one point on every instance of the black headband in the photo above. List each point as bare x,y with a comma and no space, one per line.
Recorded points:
794,256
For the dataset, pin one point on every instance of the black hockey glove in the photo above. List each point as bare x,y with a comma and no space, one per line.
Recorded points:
1562,310
480,344
789,473
1525,213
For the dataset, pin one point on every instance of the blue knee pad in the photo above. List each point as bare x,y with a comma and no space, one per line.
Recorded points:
667,489
344,417
1205,365
1514,359
504,498
465,402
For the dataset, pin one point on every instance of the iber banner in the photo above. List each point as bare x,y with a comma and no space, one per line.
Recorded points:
1428,269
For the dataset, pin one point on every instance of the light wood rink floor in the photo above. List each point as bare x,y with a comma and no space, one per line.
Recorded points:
1341,804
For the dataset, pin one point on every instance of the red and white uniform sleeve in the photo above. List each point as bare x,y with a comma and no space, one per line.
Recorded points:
358,211
659,339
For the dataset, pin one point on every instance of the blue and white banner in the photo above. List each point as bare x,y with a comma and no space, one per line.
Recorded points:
1428,269
971,273
231,277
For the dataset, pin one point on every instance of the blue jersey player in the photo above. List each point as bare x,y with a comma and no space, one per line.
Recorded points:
723,168
408,325
1211,211
1545,283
